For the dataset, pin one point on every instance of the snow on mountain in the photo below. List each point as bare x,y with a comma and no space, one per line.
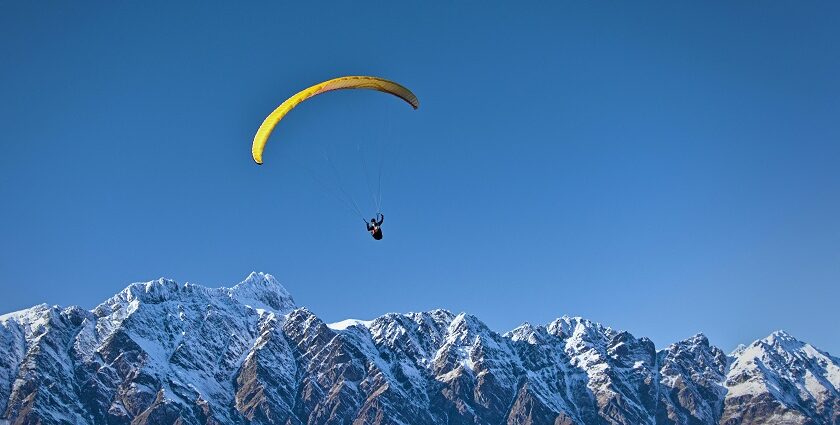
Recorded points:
162,352
344,324
691,381
780,379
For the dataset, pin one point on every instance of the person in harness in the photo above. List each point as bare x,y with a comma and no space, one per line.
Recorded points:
375,226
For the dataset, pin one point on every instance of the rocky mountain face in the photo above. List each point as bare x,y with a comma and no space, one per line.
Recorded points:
164,353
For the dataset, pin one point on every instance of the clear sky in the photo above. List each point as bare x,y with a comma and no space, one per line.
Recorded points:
661,167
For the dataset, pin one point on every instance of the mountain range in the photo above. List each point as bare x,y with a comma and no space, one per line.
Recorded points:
160,352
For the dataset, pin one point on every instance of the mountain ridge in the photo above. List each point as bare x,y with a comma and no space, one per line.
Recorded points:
163,352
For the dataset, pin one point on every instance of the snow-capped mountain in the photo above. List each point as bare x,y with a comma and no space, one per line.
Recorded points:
162,353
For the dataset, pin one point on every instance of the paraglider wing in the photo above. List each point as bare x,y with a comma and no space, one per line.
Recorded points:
352,82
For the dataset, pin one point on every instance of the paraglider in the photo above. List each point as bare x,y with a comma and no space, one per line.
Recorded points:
341,83
375,226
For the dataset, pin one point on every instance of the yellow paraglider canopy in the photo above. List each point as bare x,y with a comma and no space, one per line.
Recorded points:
351,82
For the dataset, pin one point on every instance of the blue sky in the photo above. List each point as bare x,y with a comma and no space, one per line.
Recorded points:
661,167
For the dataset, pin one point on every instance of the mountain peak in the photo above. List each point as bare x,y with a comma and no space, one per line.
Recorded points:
259,290
466,324
698,339
151,292
262,291
344,324
258,278
26,312
782,341
780,335
528,333
568,326
790,372
738,350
